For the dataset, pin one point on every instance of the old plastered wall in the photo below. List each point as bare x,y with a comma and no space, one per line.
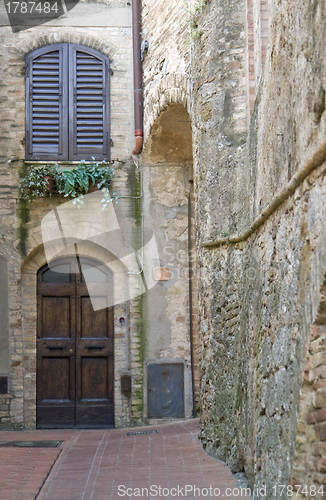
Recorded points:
107,27
167,169
262,341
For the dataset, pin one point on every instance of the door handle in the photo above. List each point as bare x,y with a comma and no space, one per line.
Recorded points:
94,347
52,347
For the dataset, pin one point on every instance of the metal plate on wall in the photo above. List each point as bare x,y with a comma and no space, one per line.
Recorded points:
165,390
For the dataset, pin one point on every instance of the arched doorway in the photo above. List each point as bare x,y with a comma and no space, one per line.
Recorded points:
75,377
170,317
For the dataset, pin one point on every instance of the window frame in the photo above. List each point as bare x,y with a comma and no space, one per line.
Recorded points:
67,101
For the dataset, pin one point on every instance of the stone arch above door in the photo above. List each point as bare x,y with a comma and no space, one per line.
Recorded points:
170,139
171,89
31,265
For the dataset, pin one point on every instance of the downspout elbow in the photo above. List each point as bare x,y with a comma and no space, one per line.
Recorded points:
138,145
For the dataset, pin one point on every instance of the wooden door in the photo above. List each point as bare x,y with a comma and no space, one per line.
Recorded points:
74,346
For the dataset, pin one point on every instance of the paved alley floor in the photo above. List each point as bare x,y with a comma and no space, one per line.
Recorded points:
164,461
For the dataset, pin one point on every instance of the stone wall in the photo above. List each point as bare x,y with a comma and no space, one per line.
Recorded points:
260,297
257,43
5,420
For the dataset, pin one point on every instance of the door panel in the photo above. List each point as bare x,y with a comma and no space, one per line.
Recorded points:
94,357
93,323
74,351
55,389
56,317
56,379
94,379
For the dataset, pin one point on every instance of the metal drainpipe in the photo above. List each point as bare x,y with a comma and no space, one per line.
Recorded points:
190,311
138,98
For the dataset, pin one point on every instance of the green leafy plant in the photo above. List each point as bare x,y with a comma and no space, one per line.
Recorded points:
72,183
78,180
193,10
36,183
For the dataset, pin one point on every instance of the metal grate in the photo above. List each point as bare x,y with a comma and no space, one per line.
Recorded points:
141,433
30,444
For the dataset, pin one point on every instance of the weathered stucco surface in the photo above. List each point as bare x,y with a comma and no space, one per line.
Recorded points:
167,160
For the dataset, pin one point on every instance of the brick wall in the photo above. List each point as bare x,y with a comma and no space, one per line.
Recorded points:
116,42
167,152
165,67
310,449
5,420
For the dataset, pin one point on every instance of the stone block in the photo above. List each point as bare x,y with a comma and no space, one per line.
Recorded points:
321,465
319,400
319,448
320,430
316,416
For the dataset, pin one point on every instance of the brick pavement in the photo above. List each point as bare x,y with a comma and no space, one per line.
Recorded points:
93,464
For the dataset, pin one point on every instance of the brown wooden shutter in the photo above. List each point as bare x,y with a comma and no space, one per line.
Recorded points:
88,104
47,103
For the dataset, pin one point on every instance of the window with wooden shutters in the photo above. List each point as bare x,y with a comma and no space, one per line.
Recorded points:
67,103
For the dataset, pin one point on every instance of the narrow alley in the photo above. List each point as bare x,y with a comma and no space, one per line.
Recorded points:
165,460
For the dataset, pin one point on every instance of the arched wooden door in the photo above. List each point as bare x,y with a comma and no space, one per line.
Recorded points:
74,346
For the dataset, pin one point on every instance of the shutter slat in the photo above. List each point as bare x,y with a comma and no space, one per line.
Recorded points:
85,79
92,85
87,134
42,91
47,127
86,128
88,91
91,122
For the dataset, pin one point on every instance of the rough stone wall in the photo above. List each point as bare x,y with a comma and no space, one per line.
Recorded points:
259,298
257,43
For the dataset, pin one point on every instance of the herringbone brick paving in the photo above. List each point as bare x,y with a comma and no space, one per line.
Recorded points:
103,464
